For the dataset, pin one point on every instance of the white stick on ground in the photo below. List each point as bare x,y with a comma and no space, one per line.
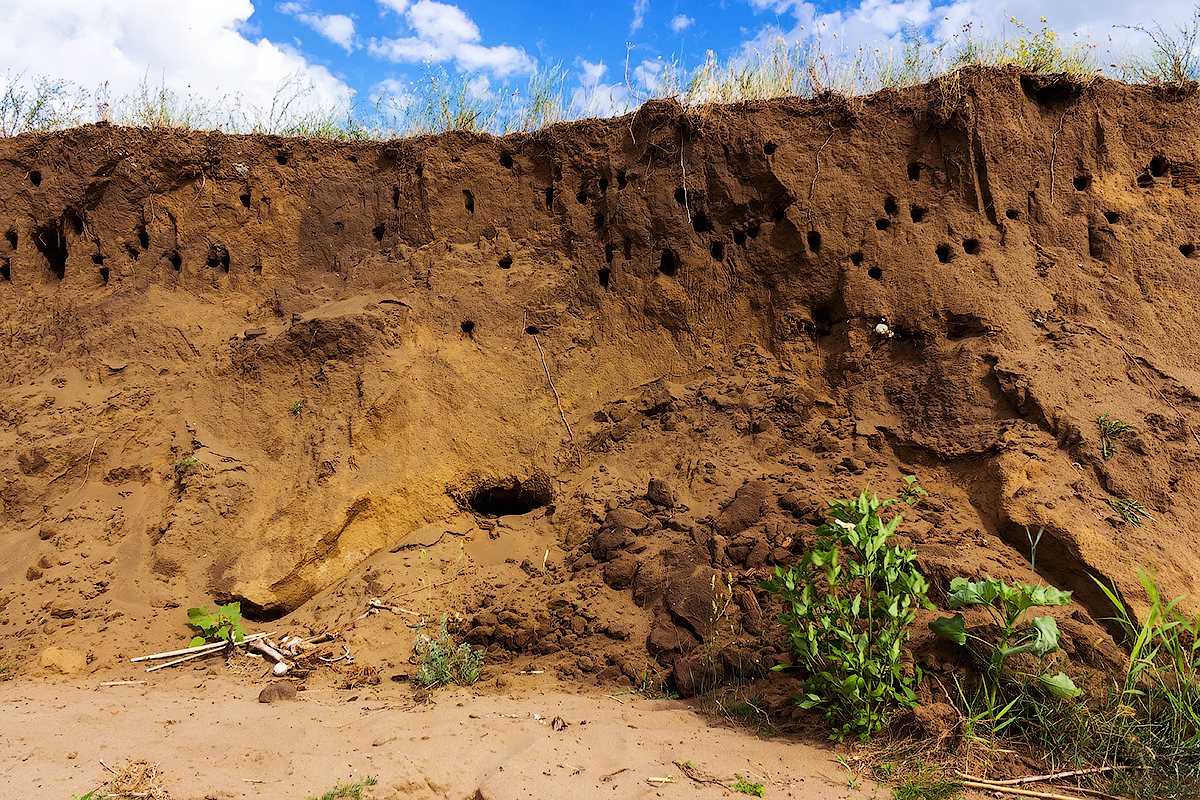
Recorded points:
201,648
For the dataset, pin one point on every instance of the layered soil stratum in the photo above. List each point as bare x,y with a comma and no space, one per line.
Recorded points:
580,389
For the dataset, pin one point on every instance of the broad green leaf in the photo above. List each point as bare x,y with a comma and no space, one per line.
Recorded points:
951,628
1044,641
969,593
196,614
1048,596
1059,686
197,641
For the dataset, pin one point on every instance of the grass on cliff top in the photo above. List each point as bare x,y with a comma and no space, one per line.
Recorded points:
440,101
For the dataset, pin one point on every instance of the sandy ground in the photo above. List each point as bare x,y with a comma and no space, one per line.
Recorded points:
211,738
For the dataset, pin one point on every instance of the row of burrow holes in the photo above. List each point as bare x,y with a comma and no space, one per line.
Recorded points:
669,260
50,242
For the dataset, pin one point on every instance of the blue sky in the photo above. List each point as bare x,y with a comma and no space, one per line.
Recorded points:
245,49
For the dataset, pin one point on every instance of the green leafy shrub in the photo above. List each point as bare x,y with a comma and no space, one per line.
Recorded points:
224,624
848,606
442,662
747,787
351,790
1007,605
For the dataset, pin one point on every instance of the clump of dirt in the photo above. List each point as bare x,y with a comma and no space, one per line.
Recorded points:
581,400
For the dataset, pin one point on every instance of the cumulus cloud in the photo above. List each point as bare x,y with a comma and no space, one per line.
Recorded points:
882,22
441,32
596,98
197,49
399,6
639,14
337,28
681,22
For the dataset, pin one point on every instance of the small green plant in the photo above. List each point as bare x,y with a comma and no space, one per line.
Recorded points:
94,794
442,663
926,784
684,765
297,407
747,787
223,625
851,773
1130,510
8,664
911,492
340,790
1110,431
651,685
848,606
185,463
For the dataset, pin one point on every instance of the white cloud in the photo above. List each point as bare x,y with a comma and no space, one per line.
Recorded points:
648,76
444,32
595,98
681,22
880,22
639,14
337,28
195,49
591,73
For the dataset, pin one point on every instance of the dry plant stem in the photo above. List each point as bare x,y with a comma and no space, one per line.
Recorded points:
88,468
201,648
683,172
1035,778
375,602
551,382
1054,152
1096,793
812,187
192,657
1022,792
696,775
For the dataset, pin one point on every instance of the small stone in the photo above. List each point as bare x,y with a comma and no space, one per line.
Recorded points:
32,574
277,691
619,573
64,662
619,631
854,465
61,611
660,493
48,531
626,518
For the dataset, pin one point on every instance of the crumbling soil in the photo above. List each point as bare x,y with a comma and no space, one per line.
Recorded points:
580,390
